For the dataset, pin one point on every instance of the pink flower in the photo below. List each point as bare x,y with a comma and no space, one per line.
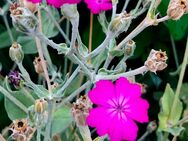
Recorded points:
57,3
96,6
118,106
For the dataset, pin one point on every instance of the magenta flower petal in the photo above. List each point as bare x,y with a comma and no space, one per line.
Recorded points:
102,123
141,114
104,88
117,106
35,1
123,130
96,6
125,88
57,3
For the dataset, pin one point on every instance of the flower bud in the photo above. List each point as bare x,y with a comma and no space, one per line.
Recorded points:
177,8
23,19
156,61
80,110
15,52
129,48
38,65
40,105
118,22
70,11
31,6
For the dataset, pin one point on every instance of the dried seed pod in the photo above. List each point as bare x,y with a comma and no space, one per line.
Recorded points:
21,130
156,61
15,52
80,110
177,8
129,48
38,65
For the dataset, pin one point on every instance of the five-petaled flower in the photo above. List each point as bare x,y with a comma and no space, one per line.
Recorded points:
118,106
96,6
57,3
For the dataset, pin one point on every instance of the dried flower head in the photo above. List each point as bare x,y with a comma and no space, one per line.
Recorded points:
23,19
21,130
40,105
177,8
80,110
38,65
14,78
118,106
156,61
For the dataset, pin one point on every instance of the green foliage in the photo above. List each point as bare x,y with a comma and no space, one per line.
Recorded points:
166,116
61,120
13,111
48,26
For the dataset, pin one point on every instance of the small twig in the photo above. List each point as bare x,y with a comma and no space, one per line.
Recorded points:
74,74
90,32
174,51
78,91
39,48
57,24
125,5
141,70
2,138
8,27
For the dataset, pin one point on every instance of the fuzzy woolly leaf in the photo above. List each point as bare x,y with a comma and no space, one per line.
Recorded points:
13,111
61,120
48,26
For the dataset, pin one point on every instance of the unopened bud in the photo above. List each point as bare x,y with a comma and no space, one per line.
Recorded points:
118,22
40,105
70,11
15,52
177,8
38,65
31,6
156,61
129,48
23,19
80,110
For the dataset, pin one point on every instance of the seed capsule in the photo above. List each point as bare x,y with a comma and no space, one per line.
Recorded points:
15,52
